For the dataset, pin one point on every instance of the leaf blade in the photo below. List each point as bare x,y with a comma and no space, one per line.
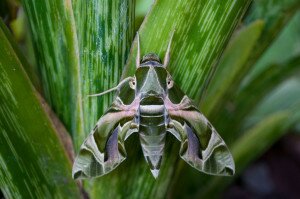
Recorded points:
26,157
54,34
132,171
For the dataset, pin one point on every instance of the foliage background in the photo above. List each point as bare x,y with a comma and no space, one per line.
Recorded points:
238,60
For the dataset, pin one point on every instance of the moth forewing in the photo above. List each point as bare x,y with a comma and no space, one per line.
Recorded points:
104,149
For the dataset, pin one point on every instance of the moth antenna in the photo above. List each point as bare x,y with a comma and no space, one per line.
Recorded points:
104,92
114,88
138,56
167,55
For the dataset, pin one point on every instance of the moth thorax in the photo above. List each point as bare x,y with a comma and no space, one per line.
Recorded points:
151,57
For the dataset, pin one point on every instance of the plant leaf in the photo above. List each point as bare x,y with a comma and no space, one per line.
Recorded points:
55,40
283,49
222,118
231,66
274,22
285,97
33,162
194,33
262,85
201,32
104,32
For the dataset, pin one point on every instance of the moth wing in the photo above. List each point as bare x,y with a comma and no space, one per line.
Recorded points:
201,145
103,150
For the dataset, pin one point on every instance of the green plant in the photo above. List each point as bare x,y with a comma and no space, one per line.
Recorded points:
222,53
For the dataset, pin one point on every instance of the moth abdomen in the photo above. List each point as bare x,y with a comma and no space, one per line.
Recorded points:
152,133
153,149
153,144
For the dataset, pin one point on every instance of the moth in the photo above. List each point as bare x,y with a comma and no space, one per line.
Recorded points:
152,105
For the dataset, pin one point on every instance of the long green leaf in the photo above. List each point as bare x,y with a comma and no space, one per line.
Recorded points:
105,32
238,103
221,117
55,41
276,14
281,60
202,29
33,162
262,85
286,96
274,22
231,66
30,69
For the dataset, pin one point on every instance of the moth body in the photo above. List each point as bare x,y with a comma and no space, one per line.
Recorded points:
151,114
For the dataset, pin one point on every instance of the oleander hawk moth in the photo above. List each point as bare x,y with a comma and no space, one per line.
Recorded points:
152,105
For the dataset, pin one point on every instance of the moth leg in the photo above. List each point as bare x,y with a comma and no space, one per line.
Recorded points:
138,56
124,81
127,130
134,125
176,130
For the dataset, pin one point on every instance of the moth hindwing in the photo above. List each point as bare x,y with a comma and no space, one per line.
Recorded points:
151,104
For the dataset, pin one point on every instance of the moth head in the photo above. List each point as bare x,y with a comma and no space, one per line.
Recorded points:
151,77
151,57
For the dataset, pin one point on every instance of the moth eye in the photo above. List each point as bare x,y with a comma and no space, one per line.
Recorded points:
170,83
132,84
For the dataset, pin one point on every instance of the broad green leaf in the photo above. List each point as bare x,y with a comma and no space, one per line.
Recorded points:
222,118
274,22
55,41
104,32
262,80
230,66
251,146
202,30
33,162
30,70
